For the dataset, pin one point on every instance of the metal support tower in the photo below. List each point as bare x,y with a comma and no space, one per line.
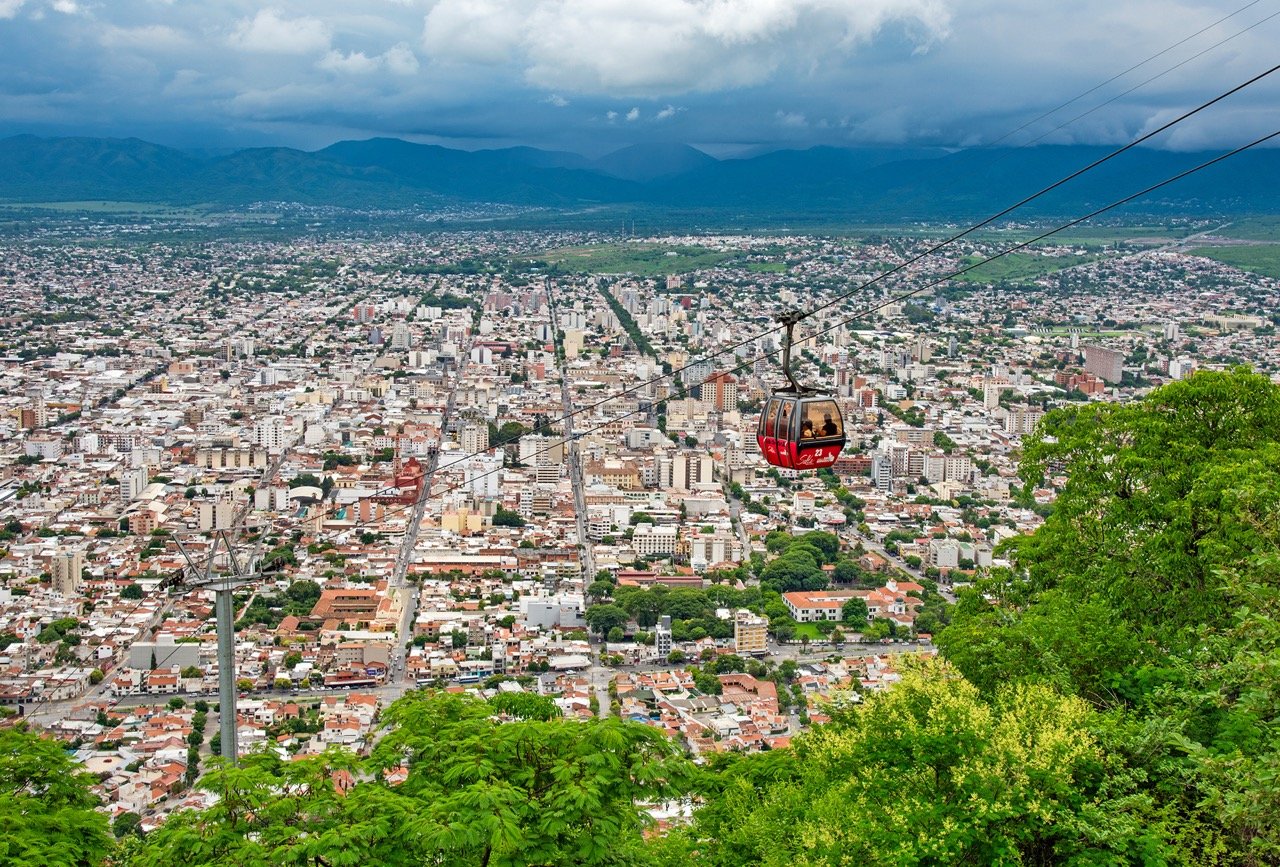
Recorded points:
223,575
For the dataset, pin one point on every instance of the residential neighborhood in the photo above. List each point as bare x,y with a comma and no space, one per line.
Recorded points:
464,463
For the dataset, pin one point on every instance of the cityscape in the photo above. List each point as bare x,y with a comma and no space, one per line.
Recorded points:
703,433
478,462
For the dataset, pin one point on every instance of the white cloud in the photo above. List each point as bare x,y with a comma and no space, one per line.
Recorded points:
400,60
66,7
355,63
496,72
185,83
474,31
659,47
270,33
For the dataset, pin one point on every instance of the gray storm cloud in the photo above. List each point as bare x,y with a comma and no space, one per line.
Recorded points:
591,75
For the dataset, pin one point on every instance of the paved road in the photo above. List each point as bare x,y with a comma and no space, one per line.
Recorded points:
586,550
408,590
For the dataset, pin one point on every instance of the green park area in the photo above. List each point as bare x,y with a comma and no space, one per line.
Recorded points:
1253,229
1261,259
1019,267
151,209
646,260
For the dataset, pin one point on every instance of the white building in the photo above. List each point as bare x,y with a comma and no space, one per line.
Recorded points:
46,448
132,484
217,515
271,433
563,610
717,547
650,540
662,637
944,553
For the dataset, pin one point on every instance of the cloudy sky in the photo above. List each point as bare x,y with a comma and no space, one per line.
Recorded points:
731,76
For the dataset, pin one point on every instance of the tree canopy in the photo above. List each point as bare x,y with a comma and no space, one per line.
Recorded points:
46,808
477,791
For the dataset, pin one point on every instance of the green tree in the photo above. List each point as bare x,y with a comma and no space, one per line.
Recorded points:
127,824
854,612
525,705
132,592
303,592
600,590
602,618
1013,780
643,605
47,814
1153,504
797,569
507,518
686,603
478,792
1152,590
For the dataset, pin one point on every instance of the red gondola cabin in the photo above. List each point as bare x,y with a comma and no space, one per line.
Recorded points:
799,430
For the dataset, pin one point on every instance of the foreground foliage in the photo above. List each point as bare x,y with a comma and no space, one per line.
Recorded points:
930,772
477,791
46,809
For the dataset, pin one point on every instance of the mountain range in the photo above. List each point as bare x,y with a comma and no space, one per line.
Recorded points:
861,184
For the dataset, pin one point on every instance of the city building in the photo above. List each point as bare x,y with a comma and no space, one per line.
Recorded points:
750,632
1106,364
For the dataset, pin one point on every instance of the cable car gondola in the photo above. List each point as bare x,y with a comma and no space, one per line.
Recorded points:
800,429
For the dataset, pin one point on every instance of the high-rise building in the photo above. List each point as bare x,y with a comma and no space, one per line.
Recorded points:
750,632
271,434
475,438
1106,364
1022,420
882,471
216,515
66,570
132,484
721,391
483,476
990,395
401,337
662,637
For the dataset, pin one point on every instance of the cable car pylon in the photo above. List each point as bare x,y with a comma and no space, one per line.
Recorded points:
223,575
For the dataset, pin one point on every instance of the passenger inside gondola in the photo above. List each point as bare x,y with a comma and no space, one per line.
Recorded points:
821,417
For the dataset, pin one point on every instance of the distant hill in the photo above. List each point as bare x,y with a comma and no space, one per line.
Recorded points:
849,183
649,162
